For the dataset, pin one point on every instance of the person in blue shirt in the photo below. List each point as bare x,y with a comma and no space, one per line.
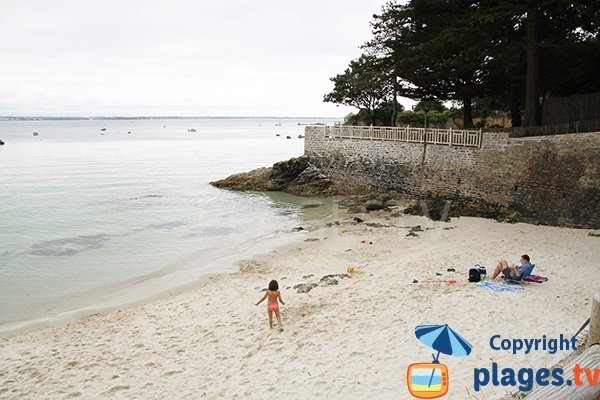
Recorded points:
514,271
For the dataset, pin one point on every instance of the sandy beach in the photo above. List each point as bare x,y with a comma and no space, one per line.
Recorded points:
353,339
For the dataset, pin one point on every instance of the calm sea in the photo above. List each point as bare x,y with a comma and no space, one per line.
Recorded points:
96,213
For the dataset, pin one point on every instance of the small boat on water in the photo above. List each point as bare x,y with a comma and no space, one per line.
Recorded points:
35,133
300,136
288,137
1,142
277,134
103,129
191,130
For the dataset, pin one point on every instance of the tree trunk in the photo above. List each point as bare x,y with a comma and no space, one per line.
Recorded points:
394,104
371,116
531,117
467,112
515,106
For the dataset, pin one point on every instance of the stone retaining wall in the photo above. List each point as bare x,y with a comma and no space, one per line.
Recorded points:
548,179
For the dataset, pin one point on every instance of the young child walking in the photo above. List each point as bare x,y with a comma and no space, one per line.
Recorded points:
274,296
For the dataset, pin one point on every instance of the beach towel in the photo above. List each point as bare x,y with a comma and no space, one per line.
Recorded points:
498,287
536,279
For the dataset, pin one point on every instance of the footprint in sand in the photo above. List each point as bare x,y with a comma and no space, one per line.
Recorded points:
254,266
115,389
171,373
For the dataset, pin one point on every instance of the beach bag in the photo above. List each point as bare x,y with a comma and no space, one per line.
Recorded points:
476,273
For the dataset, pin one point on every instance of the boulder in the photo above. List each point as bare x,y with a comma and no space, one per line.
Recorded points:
311,181
357,210
373,205
311,205
391,203
304,287
297,176
347,202
433,209
437,209
257,179
284,172
328,281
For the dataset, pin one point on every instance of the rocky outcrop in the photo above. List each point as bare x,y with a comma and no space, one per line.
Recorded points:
301,177
296,176
327,280
439,209
372,201
374,205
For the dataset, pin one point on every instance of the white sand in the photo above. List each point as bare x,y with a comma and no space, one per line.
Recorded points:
354,340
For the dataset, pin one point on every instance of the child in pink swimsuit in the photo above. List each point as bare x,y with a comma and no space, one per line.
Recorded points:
273,295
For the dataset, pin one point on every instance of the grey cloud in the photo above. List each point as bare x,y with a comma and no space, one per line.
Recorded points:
234,57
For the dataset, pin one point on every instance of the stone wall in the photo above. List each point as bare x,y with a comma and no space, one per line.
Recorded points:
550,179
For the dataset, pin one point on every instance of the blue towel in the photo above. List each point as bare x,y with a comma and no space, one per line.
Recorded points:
498,287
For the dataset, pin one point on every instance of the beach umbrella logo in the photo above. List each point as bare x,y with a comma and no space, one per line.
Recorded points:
429,380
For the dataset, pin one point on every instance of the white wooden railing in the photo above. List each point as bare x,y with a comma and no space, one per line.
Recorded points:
449,137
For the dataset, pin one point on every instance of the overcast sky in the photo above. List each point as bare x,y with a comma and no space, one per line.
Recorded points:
172,57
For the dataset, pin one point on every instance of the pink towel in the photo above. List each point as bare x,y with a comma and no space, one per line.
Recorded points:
536,279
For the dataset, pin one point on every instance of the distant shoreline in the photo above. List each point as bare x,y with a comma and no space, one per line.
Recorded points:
34,118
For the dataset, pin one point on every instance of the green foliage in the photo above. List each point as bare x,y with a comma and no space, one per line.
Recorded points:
363,85
411,118
476,53
435,119
438,119
429,105
575,69
382,116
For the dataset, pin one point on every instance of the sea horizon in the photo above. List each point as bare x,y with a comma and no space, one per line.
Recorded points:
151,117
